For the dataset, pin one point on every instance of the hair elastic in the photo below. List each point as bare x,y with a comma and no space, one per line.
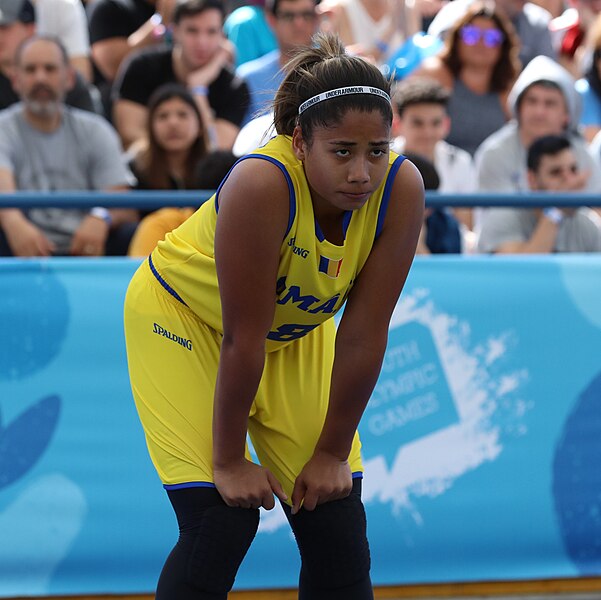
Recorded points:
343,91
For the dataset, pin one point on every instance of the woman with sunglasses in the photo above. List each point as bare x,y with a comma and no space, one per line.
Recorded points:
478,64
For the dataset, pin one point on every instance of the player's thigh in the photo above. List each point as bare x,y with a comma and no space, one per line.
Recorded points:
291,404
172,360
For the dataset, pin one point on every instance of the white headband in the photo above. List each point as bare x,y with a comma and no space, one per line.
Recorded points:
354,89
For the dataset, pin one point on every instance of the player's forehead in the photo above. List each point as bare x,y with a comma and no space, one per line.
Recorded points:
355,126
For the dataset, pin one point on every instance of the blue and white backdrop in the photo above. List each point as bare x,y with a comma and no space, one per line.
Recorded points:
482,440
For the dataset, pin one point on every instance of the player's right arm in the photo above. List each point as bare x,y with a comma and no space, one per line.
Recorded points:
251,224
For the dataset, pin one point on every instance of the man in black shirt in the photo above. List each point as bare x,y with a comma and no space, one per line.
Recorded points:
17,24
117,28
201,59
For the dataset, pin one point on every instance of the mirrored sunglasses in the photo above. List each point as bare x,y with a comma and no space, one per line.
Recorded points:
471,35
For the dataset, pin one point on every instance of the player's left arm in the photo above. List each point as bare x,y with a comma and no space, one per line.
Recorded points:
361,341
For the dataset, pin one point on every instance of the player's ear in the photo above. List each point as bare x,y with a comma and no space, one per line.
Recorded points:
299,146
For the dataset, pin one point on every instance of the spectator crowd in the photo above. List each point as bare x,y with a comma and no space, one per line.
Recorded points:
115,95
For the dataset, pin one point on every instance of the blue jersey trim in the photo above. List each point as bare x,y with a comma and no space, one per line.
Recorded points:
189,484
282,167
386,194
358,475
221,185
163,282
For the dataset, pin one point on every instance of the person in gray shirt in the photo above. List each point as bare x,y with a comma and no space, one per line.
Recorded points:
543,101
552,167
47,146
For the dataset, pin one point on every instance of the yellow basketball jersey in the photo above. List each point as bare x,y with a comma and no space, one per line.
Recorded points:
314,277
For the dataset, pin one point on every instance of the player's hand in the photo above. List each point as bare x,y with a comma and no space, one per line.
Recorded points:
208,73
25,238
247,485
324,478
90,237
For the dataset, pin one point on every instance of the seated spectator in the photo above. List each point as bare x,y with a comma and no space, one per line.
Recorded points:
212,168
47,146
201,60
294,22
18,23
167,158
570,30
544,102
478,64
117,28
589,86
529,19
440,233
552,167
371,28
247,28
67,20
421,123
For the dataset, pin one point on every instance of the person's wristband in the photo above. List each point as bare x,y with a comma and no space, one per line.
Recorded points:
200,90
158,30
102,213
555,215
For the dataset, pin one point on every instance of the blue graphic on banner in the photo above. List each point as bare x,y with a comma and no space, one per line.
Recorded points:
23,441
577,481
483,427
39,313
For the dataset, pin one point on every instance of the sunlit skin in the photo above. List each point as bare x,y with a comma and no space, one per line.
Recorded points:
542,111
479,54
175,126
344,163
423,126
199,37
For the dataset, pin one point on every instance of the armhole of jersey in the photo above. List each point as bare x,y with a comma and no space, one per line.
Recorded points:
277,163
394,168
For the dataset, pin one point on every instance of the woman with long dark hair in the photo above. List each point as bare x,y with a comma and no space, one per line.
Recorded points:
478,64
175,142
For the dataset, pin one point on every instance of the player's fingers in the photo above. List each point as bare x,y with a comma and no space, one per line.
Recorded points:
276,487
311,500
298,494
268,501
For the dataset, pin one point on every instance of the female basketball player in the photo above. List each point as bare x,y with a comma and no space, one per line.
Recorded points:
229,330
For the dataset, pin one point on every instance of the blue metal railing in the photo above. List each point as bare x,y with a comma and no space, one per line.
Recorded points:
157,199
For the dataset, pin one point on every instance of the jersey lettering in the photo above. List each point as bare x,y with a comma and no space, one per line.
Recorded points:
289,332
329,306
294,294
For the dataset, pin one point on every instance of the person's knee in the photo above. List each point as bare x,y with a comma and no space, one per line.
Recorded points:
333,543
219,545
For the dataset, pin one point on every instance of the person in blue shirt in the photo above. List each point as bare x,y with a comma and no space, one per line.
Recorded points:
293,22
247,28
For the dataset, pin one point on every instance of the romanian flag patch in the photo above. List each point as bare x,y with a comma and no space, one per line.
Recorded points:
329,266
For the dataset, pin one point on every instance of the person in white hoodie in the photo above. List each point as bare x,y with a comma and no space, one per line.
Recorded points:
544,102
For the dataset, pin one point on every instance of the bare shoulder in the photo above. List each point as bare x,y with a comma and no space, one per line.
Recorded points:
407,195
257,191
